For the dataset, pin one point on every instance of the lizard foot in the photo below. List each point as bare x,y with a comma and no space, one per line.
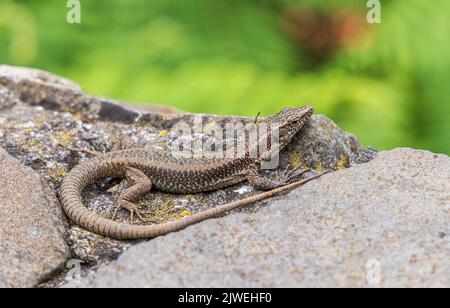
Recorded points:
131,207
290,175
282,178
141,184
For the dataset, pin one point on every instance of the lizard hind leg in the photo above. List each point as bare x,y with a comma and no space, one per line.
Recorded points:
141,185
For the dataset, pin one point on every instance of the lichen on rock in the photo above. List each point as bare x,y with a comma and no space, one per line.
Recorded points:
46,121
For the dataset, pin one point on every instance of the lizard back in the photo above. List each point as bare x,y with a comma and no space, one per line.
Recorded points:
171,174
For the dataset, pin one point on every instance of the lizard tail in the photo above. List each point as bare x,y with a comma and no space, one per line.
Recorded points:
92,170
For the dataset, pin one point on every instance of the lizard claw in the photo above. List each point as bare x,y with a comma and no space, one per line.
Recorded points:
132,208
291,175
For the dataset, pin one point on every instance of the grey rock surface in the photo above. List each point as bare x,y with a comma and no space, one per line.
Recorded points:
32,226
380,224
45,120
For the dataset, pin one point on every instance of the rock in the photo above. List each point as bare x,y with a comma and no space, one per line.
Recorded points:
92,249
39,88
7,98
45,120
32,226
17,75
380,224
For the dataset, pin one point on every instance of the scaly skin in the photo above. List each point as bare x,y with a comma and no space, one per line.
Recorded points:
147,169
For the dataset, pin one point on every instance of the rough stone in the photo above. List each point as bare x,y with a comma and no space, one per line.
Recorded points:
32,226
45,120
380,224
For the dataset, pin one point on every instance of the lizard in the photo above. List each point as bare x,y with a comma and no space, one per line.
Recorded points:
147,170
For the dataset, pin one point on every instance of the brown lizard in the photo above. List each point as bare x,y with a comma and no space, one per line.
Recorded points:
147,169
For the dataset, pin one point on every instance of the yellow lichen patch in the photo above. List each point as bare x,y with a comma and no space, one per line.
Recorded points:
162,214
64,138
163,133
191,198
34,145
185,213
319,167
315,157
343,162
57,173
78,116
169,213
296,159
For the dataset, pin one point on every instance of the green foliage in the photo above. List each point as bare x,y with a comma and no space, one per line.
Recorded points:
411,48
17,30
390,86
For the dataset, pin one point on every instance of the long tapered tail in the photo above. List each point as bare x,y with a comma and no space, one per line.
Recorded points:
86,173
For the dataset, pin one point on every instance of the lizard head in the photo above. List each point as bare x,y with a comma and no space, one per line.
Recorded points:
288,123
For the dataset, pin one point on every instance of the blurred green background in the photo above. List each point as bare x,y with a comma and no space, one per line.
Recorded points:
388,83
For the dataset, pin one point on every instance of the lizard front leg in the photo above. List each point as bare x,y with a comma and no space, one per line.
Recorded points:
263,183
141,185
